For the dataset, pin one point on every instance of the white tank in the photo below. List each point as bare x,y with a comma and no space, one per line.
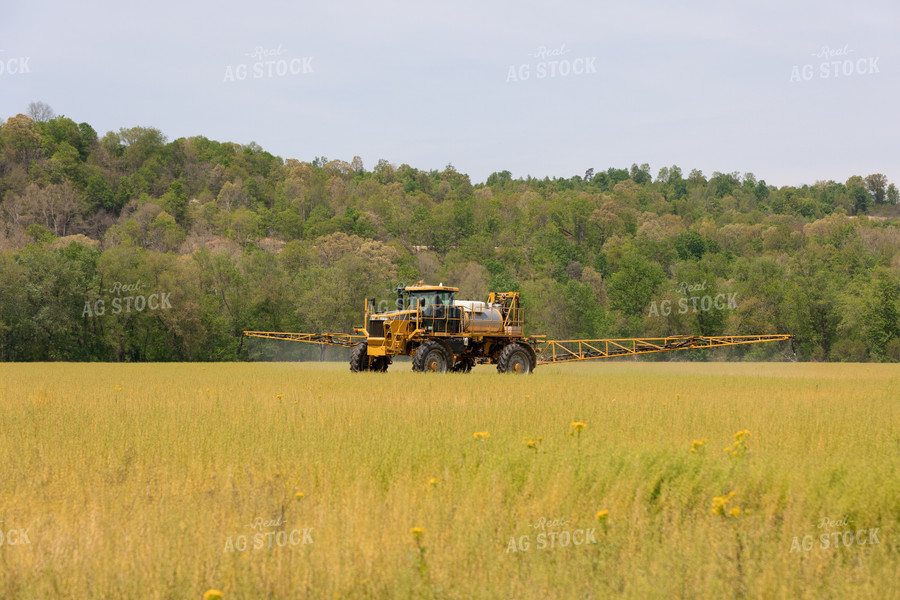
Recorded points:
471,305
479,317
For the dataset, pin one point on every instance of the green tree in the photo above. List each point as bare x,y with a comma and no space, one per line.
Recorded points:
175,202
882,315
815,312
640,175
859,196
632,287
139,145
891,194
21,140
585,316
689,245
99,193
39,233
498,179
876,185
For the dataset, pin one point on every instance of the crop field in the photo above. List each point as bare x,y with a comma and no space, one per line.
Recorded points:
303,480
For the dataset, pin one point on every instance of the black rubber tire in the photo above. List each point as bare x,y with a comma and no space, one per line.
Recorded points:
380,364
431,357
515,358
359,357
463,365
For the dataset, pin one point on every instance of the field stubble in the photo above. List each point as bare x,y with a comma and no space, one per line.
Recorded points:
304,480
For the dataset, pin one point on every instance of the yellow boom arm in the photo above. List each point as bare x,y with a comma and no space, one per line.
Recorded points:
555,351
329,339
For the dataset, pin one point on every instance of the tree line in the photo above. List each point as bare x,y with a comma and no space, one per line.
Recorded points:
130,247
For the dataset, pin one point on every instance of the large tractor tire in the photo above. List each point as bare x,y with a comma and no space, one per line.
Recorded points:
432,357
516,358
359,357
359,360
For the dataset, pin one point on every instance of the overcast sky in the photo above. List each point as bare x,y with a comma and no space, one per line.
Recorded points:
793,92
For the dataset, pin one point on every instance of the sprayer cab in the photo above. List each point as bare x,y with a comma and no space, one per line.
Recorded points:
421,296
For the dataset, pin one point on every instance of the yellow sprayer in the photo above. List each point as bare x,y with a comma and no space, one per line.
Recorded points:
444,334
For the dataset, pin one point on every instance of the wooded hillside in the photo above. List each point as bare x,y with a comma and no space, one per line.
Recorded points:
229,237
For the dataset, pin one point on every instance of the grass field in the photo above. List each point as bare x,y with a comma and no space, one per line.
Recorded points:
304,480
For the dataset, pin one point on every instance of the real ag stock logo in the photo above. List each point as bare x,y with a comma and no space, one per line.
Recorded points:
130,303
553,534
834,64
268,63
845,535
269,534
551,63
694,303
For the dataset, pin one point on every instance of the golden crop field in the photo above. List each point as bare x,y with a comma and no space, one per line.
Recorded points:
303,480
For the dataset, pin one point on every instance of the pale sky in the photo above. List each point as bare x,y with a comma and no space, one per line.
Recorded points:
792,92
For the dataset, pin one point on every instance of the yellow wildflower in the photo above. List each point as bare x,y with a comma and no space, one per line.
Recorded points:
481,434
432,481
299,496
718,505
602,515
577,425
739,447
417,532
212,595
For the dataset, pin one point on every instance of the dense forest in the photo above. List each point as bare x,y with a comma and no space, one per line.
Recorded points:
130,247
